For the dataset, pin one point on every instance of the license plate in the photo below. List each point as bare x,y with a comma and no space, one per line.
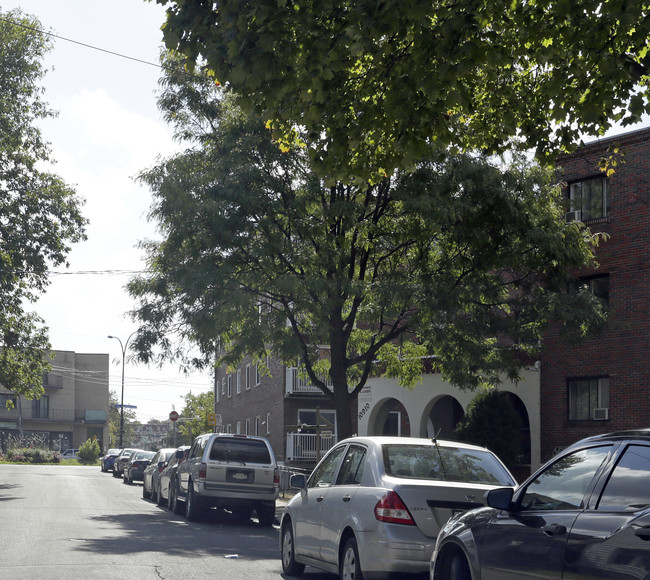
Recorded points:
240,475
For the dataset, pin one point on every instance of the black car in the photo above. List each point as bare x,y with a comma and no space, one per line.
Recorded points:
585,514
120,461
136,464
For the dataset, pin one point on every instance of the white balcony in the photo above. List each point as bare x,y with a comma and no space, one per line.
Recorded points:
298,383
301,446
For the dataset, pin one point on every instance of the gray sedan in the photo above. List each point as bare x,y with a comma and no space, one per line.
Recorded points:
375,505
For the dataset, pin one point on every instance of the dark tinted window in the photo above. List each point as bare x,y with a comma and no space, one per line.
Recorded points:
628,488
240,450
352,467
563,484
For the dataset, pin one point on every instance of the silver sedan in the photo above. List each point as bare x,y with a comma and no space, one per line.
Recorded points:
375,505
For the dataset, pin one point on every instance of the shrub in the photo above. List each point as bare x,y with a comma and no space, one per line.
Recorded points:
89,451
492,421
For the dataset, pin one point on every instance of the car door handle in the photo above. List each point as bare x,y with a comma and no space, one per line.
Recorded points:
643,533
554,530
346,498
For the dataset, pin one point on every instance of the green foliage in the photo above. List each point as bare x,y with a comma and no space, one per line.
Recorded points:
257,250
370,86
194,416
492,421
40,214
89,451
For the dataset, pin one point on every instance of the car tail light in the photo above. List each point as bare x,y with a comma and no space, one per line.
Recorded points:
203,471
391,509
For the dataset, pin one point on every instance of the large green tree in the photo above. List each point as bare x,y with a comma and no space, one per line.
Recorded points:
39,214
194,416
259,252
370,85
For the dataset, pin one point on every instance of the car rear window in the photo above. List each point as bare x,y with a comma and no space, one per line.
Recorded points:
240,450
444,464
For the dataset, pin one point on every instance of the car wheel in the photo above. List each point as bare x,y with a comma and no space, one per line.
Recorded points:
265,515
350,566
458,568
175,505
289,564
193,504
116,473
145,494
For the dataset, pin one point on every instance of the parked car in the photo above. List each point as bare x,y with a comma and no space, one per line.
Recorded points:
106,461
585,514
136,464
167,487
120,461
234,472
151,475
69,454
374,505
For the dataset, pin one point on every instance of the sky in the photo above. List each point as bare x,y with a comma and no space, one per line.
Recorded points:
108,129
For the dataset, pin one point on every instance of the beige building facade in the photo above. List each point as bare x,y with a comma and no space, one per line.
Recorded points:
72,409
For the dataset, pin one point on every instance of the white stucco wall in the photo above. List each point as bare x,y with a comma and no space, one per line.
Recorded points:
419,402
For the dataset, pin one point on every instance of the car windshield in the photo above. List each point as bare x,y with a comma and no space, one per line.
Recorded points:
444,464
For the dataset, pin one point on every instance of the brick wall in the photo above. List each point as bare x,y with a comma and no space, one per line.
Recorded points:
621,351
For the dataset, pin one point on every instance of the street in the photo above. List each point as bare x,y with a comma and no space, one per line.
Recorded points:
76,522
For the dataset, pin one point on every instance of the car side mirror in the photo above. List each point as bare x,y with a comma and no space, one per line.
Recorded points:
298,481
500,499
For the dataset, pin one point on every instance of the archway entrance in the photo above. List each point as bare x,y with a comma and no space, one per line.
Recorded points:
443,418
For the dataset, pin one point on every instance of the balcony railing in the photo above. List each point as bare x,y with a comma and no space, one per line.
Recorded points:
298,383
304,446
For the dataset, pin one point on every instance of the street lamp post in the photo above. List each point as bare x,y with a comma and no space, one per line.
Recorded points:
123,347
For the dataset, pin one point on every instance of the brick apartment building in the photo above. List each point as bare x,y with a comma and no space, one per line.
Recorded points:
73,408
603,383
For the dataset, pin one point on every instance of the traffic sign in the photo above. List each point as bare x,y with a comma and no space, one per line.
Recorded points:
212,419
173,416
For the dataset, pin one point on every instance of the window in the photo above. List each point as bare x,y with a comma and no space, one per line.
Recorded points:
243,451
563,484
223,385
268,423
587,395
248,426
218,391
352,467
258,421
41,408
238,427
308,417
229,428
627,489
597,285
6,398
248,376
324,473
238,381
229,386
258,374
589,197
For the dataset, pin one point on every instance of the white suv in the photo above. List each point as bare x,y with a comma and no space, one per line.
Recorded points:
234,472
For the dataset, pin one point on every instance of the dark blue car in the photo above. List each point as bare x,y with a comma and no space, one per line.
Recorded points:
108,460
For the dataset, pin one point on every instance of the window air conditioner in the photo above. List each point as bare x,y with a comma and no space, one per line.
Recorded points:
601,414
573,216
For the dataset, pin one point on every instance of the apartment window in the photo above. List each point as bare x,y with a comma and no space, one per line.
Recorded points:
223,385
238,427
308,417
238,381
229,386
589,198
588,399
258,374
268,423
248,376
229,428
248,426
6,398
41,408
258,421
597,285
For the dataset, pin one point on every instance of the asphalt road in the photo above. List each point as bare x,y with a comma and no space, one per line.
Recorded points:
64,522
